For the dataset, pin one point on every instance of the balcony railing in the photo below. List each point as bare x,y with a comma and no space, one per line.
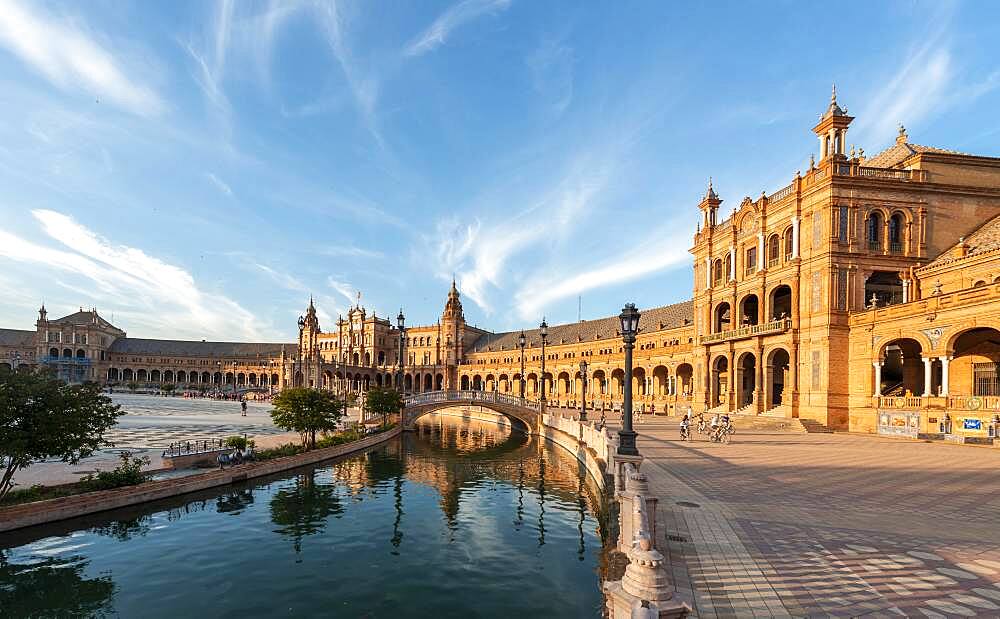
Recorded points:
895,248
773,262
775,326
51,360
890,174
751,269
874,246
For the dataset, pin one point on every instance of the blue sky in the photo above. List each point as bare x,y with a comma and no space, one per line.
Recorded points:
198,169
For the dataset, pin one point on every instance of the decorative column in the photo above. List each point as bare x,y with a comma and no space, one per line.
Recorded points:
760,251
906,294
927,369
878,377
944,374
708,272
732,263
795,236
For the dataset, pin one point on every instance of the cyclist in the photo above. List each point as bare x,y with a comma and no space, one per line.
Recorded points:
686,427
702,424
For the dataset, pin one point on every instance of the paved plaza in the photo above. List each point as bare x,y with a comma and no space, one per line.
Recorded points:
782,524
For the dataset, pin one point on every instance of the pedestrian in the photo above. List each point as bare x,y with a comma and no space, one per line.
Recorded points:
243,405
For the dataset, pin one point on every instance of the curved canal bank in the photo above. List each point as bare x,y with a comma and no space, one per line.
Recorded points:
459,518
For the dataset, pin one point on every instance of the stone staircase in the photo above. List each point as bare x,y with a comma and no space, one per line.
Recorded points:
814,427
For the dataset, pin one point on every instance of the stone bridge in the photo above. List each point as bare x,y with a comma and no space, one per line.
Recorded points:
518,409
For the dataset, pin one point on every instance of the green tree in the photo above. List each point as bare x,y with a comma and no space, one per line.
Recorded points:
307,411
383,401
168,388
43,417
132,386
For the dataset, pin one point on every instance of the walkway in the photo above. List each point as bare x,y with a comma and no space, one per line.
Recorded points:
827,524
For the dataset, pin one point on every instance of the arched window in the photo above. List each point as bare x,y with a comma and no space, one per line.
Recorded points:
773,250
896,224
788,244
751,263
728,266
717,276
874,232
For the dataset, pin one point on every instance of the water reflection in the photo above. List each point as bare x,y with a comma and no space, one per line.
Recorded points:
447,521
303,509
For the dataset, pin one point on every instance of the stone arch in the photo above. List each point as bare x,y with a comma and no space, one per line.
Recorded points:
81,353
617,382
357,359
141,375
504,381
720,380
217,378
428,382
973,369
113,374
206,377
128,374
168,376
779,302
746,367
408,382
685,379
439,382
154,376
722,318
67,353
599,382
778,367
54,352
639,375
902,367
465,382
661,381
489,383
898,225
749,310
477,382
562,385
531,385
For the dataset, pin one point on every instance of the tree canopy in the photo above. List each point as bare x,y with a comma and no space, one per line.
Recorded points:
307,411
383,401
43,417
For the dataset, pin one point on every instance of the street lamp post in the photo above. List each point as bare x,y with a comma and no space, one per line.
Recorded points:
544,330
520,344
583,385
630,326
401,324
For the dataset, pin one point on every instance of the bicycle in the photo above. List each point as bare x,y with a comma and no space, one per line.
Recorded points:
685,433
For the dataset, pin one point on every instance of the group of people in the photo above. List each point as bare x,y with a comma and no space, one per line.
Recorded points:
718,429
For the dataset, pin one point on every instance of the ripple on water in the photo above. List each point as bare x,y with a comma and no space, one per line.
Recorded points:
426,526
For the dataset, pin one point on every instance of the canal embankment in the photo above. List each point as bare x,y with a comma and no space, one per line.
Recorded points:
52,510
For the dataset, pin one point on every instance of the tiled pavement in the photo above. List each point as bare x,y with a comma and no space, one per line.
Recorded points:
779,525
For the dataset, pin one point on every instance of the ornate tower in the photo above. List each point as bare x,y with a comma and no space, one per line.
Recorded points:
832,130
709,206
453,332
308,352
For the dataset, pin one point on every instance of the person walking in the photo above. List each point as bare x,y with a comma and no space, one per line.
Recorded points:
243,405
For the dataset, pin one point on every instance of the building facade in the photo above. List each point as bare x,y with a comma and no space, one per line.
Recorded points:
863,295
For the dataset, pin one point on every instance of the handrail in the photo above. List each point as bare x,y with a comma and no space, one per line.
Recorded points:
469,395
775,326
185,448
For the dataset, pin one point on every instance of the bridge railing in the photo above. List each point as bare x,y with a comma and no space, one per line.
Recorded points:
646,582
470,395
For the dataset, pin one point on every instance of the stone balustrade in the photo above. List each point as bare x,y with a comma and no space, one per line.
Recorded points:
775,326
645,589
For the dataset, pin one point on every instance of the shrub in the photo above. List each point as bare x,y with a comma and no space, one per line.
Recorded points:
238,442
288,449
127,473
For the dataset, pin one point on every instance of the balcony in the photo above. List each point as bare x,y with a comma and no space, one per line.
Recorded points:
768,328
50,360
874,246
895,248
889,174
773,262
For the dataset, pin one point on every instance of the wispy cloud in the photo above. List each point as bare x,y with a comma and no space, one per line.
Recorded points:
551,67
657,252
62,51
219,184
437,33
160,298
349,251
364,86
479,251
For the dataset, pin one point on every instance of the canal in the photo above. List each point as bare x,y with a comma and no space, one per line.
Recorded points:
460,518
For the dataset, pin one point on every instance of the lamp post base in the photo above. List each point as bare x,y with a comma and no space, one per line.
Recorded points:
626,443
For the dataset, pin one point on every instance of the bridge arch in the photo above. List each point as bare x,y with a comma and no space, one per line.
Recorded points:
517,410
